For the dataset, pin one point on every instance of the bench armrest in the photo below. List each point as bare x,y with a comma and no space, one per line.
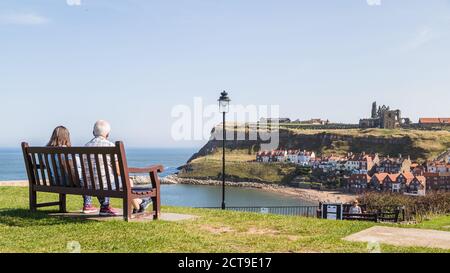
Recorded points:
156,168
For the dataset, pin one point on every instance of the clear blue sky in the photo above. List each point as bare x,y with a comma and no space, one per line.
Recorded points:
131,61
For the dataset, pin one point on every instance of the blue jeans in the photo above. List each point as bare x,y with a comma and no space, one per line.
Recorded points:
104,201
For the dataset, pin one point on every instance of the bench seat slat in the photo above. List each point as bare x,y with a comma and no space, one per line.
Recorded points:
80,191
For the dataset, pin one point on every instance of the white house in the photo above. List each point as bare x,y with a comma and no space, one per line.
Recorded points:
292,156
263,156
304,158
438,167
280,156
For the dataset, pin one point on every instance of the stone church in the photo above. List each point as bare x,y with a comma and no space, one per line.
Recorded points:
383,117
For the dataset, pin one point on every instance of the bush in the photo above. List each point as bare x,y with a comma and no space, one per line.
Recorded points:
415,207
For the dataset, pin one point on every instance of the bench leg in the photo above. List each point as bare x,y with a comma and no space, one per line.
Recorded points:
62,203
127,209
33,200
156,208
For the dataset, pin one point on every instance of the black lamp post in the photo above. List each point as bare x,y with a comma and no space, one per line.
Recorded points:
224,107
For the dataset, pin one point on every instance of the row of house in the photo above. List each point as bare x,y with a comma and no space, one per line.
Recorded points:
358,163
303,158
363,164
355,163
385,182
405,182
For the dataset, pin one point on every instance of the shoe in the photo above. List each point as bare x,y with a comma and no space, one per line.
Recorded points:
135,211
89,209
109,211
144,205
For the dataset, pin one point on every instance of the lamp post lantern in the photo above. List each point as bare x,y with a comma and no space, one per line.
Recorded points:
224,107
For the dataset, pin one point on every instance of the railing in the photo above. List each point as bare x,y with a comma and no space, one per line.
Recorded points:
305,211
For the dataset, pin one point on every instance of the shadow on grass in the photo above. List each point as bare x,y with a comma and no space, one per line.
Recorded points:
26,218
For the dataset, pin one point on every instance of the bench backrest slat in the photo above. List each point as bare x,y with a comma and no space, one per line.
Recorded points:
115,171
61,166
91,176
108,177
77,180
42,167
95,168
70,169
49,172
99,171
35,169
55,170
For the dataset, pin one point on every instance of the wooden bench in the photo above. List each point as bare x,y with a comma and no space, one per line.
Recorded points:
104,171
369,217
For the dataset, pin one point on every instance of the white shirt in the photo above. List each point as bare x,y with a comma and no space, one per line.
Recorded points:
101,142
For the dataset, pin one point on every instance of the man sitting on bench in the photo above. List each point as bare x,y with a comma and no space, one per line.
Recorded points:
101,133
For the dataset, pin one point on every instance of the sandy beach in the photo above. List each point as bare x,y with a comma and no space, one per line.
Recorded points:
306,194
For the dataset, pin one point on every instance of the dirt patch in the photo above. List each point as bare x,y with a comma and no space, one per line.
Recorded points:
217,230
293,238
262,231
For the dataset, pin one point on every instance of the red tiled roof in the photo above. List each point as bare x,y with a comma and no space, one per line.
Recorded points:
434,120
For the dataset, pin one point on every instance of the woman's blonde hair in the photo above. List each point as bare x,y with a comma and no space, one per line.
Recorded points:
60,138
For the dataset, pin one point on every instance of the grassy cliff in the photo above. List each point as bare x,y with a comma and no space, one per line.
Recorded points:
421,145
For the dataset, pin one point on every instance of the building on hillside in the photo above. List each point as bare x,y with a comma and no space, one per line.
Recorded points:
394,165
417,186
361,163
263,156
376,181
398,183
292,156
280,156
383,117
438,167
328,163
274,120
314,121
304,158
437,181
358,183
390,183
417,169
434,122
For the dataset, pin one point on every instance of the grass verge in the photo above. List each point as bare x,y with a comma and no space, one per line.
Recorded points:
215,231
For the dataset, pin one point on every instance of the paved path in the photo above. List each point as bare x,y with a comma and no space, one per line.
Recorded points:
171,217
403,237
18,183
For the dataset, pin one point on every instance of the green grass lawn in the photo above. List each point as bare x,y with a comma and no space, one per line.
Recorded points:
214,231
